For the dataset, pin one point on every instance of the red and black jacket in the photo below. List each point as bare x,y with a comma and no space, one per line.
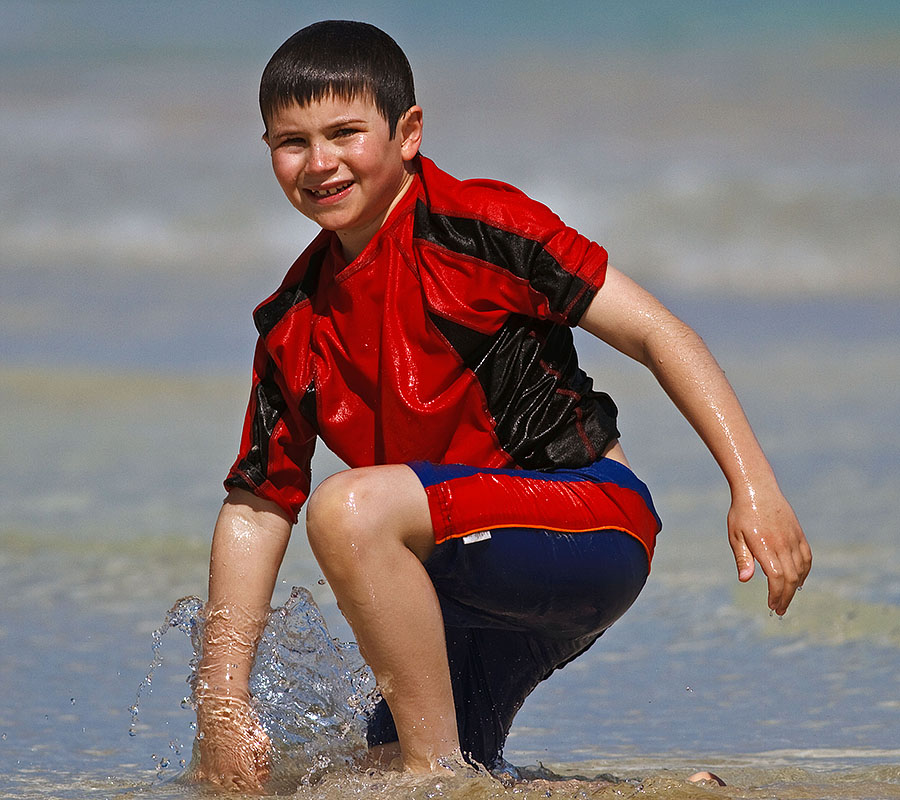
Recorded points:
446,340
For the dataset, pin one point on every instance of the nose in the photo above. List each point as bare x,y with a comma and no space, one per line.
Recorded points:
321,158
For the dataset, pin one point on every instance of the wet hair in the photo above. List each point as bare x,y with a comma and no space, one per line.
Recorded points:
343,59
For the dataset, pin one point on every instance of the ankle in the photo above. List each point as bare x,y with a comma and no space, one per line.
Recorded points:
452,762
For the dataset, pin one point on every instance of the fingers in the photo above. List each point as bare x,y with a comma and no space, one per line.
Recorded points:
234,755
805,559
802,561
785,558
743,559
262,759
783,579
236,777
786,568
781,592
799,559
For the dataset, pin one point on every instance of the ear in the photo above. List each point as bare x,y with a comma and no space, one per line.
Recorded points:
409,131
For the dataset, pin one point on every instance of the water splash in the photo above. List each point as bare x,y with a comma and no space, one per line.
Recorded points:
186,615
311,693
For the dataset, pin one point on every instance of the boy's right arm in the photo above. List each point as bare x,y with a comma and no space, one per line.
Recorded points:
249,542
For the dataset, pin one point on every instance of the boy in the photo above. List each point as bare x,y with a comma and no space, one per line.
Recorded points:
489,528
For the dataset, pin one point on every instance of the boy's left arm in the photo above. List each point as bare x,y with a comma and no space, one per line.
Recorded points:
761,523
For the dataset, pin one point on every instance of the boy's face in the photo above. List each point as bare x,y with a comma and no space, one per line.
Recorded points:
337,164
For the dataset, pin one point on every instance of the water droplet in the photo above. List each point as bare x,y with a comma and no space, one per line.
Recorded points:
688,689
321,581
72,700
185,615
310,692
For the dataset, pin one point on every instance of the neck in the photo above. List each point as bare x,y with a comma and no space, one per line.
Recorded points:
353,242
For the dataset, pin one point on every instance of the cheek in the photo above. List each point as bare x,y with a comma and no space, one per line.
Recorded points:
369,158
286,168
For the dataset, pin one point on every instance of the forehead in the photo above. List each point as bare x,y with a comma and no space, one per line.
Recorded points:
326,111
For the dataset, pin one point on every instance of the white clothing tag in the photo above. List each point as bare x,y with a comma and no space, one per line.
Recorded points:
480,536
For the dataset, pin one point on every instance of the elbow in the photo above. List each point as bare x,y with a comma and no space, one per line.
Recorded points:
671,344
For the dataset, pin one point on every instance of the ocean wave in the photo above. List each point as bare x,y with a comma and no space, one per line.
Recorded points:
700,232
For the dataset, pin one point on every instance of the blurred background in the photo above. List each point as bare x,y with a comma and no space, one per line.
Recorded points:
740,160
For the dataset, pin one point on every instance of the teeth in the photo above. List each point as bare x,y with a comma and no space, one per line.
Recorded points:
329,192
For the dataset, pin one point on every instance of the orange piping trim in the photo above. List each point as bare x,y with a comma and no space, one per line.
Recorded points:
558,530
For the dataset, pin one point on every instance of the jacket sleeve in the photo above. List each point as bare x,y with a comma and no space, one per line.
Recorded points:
562,268
568,269
277,442
504,252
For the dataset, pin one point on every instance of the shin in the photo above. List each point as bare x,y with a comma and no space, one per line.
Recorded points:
370,530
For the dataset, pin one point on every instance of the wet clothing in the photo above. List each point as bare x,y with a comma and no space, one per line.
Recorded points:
494,667
446,344
445,340
520,602
605,495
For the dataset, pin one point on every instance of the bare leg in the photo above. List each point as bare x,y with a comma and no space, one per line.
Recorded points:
370,531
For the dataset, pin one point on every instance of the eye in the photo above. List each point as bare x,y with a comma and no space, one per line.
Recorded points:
344,132
288,143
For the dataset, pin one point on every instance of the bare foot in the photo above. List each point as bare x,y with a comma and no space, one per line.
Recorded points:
699,777
454,763
389,757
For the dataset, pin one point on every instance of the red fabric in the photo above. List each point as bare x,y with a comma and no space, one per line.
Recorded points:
387,387
483,501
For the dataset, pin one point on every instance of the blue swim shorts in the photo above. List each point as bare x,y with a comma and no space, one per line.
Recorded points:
520,601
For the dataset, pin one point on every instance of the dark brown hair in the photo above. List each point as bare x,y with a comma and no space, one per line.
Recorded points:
338,58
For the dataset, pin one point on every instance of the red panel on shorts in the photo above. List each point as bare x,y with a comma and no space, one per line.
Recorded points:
487,500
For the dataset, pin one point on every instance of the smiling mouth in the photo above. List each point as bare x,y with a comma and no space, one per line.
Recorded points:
320,193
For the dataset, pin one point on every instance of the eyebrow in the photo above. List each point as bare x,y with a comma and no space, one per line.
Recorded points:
340,121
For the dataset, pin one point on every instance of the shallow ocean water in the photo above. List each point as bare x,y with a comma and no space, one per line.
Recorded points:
696,676
739,162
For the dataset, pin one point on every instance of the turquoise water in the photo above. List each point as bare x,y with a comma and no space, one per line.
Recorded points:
740,160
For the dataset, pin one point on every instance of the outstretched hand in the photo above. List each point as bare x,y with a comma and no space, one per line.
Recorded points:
234,749
762,527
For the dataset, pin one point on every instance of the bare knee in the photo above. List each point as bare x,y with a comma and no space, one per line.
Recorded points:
336,511
371,507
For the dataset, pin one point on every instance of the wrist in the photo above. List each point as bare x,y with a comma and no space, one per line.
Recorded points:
230,637
217,714
752,481
211,702
222,684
